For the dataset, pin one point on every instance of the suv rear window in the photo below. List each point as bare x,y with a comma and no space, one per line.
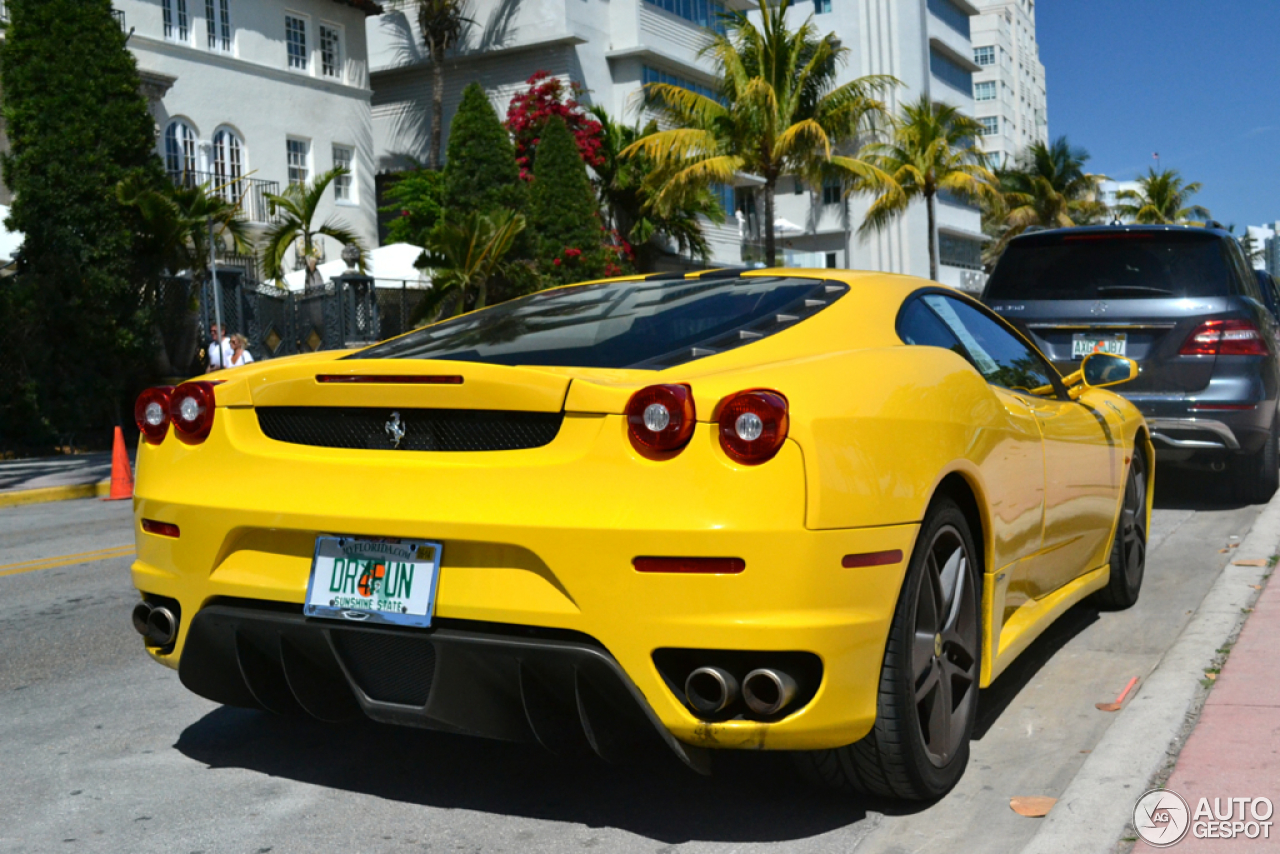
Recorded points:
1123,265
650,324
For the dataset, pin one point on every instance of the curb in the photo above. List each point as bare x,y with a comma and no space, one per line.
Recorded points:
1097,807
54,493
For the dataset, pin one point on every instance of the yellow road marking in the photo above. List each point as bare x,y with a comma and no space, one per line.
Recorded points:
64,560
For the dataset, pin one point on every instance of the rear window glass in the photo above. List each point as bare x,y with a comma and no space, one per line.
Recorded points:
1125,265
637,324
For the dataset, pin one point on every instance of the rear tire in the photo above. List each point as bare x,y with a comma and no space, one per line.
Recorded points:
1256,477
1129,547
928,695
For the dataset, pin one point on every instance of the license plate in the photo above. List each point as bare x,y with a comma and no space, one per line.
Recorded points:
1083,345
374,580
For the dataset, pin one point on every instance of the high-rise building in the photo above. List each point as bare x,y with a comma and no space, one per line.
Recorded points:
1009,87
614,47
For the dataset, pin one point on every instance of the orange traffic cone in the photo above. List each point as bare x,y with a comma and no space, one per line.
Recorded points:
121,471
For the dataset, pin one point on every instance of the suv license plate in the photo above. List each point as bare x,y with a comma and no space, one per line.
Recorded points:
374,580
1083,345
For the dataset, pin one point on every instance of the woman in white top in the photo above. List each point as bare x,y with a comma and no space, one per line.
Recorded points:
239,354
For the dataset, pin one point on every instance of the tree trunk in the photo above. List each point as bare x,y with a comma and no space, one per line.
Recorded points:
437,110
770,241
933,242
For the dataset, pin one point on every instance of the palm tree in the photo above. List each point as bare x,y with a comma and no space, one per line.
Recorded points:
934,150
465,255
173,224
297,207
1161,199
779,113
442,24
624,186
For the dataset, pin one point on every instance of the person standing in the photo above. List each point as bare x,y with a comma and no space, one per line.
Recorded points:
239,354
219,347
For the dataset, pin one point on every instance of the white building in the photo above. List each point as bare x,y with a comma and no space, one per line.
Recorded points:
264,91
613,48
1009,89
1109,192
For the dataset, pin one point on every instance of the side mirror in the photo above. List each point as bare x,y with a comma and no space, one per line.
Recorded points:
1099,370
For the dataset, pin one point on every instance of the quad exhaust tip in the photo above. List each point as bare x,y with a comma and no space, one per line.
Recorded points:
768,691
157,624
710,690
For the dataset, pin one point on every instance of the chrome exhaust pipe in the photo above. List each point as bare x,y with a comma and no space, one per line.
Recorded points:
767,691
710,690
1218,465
141,613
162,626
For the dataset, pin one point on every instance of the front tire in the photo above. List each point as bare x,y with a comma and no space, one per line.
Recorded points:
1129,547
928,696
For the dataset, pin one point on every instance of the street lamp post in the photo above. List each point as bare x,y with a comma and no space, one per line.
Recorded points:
213,277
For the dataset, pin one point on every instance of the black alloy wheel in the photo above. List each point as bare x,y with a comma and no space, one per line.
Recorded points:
928,697
1129,548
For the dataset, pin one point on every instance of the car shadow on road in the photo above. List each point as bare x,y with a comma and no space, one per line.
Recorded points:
1194,489
993,700
751,797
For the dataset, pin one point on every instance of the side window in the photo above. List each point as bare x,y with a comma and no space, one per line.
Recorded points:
918,325
1248,281
999,355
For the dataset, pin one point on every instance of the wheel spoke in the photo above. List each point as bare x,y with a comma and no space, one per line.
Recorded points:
959,593
921,655
930,683
938,737
949,578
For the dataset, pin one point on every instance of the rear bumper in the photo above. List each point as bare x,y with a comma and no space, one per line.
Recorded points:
566,693
1182,425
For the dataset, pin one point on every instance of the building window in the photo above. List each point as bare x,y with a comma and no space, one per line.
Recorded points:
951,15
299,156
217,20
797,186
228,163
948,71
725,195
177,25
342,185
180,148
295,36
821,7
704,13
990,125
831,261
330,51
984,55
959,251
832,192
984,91
653,75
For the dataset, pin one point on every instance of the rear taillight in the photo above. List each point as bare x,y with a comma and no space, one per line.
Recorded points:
753,425
661,418
191,409
1225,338
151,412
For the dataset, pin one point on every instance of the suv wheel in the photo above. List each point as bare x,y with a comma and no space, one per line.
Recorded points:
1256,477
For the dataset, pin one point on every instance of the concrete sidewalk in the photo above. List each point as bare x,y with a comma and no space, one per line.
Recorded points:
1234,750
55,478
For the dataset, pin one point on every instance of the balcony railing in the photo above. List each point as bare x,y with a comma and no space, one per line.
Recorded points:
119,16
250,193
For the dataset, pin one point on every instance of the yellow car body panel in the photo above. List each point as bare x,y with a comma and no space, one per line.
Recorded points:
546,536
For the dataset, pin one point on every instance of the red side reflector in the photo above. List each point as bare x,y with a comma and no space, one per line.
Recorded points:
1223,407
703,565
872,559
163,529
391,379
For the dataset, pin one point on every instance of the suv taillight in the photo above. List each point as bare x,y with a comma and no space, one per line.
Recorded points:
191,409
1225,338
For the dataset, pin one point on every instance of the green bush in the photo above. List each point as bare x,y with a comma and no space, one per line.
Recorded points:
480,173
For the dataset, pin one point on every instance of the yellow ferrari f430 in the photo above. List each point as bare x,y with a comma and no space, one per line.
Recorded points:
811,511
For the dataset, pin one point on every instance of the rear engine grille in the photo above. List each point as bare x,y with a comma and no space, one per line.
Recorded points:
389,668
424,429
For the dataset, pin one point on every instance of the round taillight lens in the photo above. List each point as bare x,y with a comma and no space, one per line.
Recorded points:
661,418
191,410
753,425
151,413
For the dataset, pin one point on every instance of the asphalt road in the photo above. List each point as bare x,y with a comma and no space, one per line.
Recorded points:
103,750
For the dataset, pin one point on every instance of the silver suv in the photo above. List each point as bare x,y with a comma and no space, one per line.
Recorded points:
1185,304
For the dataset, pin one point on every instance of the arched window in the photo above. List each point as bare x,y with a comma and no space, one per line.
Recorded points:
180,149
228,161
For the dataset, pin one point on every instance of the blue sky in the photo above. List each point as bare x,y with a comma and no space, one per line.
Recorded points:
1195,80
